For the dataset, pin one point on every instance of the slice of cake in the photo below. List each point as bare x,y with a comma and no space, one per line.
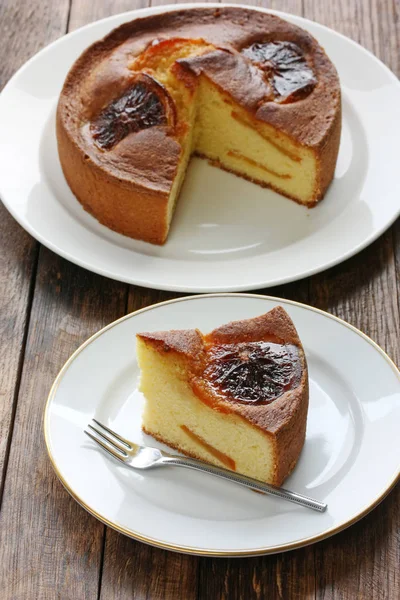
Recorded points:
253,94
237,397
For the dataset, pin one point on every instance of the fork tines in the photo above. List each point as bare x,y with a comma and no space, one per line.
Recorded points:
111,442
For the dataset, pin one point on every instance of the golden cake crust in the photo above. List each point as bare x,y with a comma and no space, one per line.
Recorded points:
128,170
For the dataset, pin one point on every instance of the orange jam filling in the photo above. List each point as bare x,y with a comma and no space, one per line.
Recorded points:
224,458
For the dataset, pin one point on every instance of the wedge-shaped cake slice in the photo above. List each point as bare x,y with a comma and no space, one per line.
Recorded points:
236,397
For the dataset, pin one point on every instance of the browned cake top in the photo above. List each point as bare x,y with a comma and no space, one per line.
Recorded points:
275,70
255,367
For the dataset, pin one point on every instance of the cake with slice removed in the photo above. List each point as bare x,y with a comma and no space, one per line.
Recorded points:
248,91
236,397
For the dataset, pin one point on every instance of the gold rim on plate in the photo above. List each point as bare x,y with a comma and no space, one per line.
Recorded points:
190,549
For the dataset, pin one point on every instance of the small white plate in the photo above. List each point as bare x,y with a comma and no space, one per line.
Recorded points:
227,234
350,459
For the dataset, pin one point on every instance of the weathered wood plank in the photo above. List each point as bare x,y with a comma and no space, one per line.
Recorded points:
139,297
17,270
278,577
26,27
49,546
41,22
293,7
87,12
363,561
166,2
133,571
396,244
363,292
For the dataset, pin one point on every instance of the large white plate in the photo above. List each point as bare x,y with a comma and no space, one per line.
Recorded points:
227,234
350,459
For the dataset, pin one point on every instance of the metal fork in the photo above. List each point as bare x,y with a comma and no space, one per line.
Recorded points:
144,457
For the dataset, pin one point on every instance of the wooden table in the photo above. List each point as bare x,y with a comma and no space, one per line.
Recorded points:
50,548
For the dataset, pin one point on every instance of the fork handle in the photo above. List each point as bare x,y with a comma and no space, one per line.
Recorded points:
249,482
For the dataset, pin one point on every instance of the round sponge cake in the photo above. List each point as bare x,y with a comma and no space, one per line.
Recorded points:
247,90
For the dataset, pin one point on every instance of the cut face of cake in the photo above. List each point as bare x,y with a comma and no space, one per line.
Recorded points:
236,397
253,94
